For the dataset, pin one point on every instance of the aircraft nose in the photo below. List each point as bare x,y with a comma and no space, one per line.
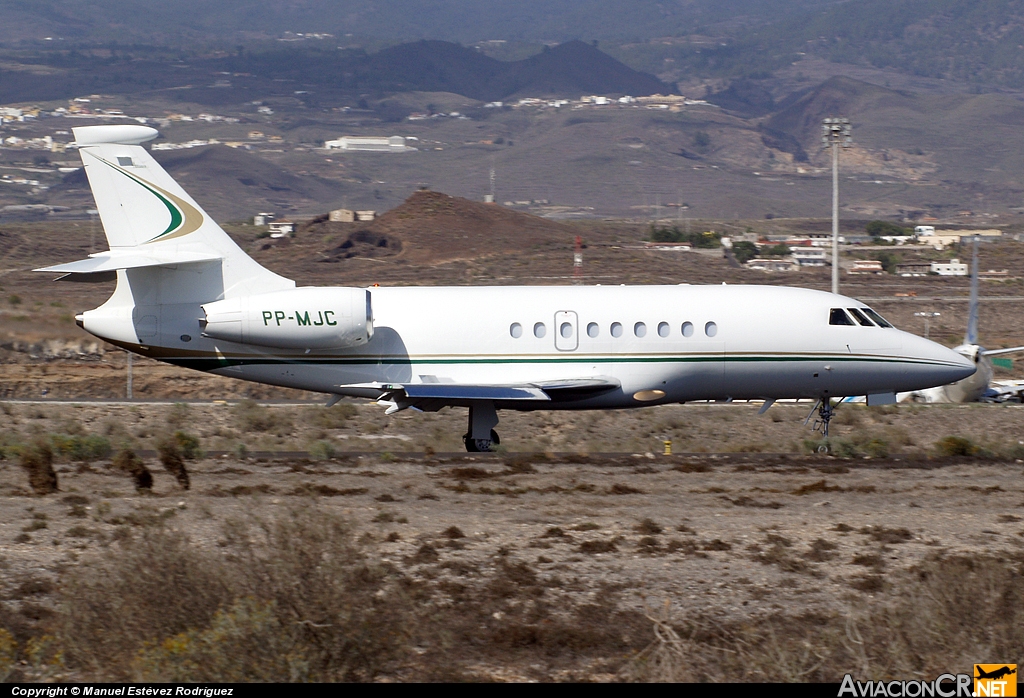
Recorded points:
934,364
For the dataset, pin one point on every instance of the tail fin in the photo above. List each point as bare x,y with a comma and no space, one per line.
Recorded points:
149,220
972,314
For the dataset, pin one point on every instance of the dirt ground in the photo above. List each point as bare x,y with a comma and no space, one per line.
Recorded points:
731,537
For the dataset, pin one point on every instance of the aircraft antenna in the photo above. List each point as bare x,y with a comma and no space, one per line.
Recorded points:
972,315
577,262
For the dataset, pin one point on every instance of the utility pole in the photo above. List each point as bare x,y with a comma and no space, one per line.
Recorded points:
927,317
835,132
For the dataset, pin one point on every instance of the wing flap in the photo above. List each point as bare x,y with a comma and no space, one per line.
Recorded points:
457,391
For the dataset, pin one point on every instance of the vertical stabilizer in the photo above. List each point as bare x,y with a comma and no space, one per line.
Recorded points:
972,314
144,210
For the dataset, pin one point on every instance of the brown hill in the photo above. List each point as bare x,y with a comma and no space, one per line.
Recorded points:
434,227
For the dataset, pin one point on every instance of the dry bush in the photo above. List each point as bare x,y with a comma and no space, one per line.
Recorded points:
178,415
940,615
290,599
37,460
172,460
148,589
253,417
130,463
956,446
334,417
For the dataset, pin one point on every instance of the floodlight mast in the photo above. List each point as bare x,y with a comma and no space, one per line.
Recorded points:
835,132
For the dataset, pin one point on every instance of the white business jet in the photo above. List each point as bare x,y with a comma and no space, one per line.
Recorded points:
188,295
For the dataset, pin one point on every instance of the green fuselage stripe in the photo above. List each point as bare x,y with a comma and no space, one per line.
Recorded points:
211,362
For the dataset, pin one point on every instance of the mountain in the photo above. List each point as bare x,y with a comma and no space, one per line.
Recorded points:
229,183
571,69
179,22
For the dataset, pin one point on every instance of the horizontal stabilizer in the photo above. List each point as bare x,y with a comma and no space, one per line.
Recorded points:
997,352
113,260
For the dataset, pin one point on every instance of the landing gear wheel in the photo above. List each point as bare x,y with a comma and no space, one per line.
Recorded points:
825,413
480,445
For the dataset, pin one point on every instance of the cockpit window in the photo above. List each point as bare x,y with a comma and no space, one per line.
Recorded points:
838,316
876,317
859,317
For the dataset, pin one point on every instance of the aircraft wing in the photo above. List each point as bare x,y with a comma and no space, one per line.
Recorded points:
555,390
433,396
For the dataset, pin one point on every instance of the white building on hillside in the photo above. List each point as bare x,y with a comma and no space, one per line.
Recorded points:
951,268
380,144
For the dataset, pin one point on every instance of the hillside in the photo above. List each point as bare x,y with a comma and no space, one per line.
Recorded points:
230,183
428,228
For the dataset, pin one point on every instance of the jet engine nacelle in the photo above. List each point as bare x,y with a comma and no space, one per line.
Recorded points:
299,318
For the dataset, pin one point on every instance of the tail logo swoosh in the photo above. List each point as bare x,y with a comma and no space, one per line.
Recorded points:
185,218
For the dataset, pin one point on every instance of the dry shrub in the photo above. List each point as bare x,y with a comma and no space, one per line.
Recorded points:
150,588
334,417
618,488
290,599
37,460
172,460
956,446
130,463
649,527
256,418
939,615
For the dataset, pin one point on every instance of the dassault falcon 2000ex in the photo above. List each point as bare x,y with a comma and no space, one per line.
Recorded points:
188,295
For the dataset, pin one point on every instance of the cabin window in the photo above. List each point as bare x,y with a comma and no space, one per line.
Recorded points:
593,330
838,316
616,329
859,317
539,330
125,162
516,330
565,330
881,321
663,329
640,329
711,329
687,329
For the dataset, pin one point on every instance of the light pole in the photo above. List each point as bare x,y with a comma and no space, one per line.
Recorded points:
927,317
835,132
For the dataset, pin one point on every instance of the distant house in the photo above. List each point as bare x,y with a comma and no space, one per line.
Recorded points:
281,227
262,218
809,256
917,267
678,246
342,215
993,274
380,144
867,266
784,264
365,215
951,268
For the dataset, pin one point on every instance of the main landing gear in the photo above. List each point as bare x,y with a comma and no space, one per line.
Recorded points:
482,420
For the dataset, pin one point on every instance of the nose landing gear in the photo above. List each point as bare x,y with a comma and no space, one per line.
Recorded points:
825,413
